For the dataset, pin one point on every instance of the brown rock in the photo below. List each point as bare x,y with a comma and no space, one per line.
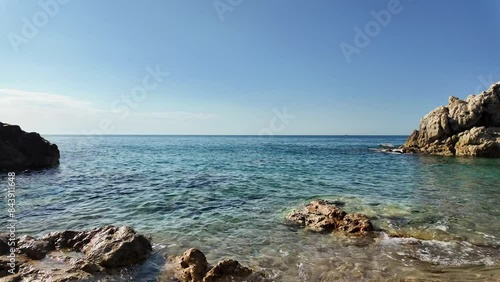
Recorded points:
228,271
34,249
117,246
356,224
106,247
462,128
191,266
322,216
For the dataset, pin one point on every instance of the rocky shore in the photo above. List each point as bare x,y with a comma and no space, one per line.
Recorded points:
91,255
468,127
79,255
20,150
192,266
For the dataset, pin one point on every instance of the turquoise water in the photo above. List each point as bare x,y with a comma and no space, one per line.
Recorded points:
228,196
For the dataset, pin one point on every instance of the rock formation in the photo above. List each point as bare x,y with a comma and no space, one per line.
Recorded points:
323,216
192,266
100,249
462,128
22,150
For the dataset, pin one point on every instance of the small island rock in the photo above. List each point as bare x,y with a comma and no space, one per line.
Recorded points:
323,216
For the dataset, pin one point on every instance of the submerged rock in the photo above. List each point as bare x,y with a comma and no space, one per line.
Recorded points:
23,150
462,128
100,248
192,266
322,216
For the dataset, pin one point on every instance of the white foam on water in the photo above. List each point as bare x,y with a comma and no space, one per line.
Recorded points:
453,253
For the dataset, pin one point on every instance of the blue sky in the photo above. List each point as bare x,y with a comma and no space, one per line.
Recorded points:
236,71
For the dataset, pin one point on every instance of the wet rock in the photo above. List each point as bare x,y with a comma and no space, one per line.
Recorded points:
322,216
356,224
34,249
192,266
462,128
229,270
23,150
79,254
4,244
117,246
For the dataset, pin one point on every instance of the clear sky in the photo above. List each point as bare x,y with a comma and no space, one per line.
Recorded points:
234,66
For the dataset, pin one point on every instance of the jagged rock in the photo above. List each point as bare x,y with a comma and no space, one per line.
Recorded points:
105,247
4,244
33,248
230,270
356,223
462,128
192,266
22,150
322,216
117,246
480,142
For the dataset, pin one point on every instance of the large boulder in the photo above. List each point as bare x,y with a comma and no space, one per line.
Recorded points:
323,216
23,150
462,128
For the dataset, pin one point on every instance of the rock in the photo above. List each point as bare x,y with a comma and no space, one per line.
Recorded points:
34,249
192,266
322,216
462,128
480,142
117,246
356,223
103,248
229,270
22,150
4,244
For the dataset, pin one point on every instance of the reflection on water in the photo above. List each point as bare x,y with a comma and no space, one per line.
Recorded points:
228,196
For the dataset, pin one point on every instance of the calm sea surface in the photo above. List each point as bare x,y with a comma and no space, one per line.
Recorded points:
228,196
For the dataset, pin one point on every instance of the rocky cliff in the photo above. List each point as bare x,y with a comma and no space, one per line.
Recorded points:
462,128
23,150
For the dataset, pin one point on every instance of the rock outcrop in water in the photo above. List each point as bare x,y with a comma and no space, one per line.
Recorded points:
23,150
323,216
79,255
462,128
192,266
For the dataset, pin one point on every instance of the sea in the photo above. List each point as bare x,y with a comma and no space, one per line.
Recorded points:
437,218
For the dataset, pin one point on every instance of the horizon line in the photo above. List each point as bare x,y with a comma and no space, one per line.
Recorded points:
235,135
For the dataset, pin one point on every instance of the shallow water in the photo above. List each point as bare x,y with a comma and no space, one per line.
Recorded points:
228,196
